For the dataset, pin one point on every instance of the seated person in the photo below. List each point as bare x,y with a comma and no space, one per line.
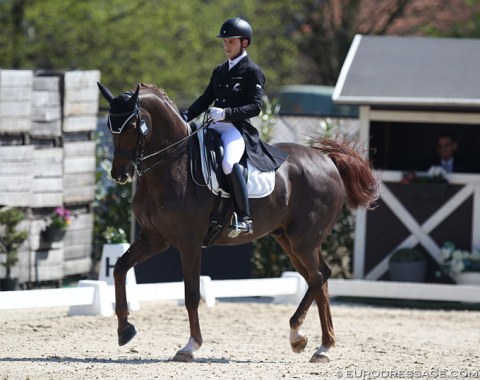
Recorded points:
447,146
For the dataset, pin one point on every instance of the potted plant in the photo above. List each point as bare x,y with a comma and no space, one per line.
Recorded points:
10,241
462,265
60,219
433,184
407,265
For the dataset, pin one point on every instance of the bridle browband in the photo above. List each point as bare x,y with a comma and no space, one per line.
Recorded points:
138,154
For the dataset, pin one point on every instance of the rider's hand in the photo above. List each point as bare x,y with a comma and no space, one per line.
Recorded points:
216,113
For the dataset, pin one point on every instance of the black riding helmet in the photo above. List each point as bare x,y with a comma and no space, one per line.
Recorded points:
236,28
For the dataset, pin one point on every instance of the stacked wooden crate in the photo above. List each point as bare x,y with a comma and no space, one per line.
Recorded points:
15,156
48,161
46,107
80,110
15,100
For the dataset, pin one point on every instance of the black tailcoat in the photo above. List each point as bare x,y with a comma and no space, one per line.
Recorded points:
239,92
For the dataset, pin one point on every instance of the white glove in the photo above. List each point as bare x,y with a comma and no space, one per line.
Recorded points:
217,113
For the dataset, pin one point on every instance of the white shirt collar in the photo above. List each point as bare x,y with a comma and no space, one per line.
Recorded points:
448,165
233,62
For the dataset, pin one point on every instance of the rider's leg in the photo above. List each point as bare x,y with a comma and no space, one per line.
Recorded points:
243,222
234,146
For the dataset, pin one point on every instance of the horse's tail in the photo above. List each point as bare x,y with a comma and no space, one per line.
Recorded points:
357,174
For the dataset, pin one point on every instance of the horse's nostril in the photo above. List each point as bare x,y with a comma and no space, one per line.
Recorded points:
120,177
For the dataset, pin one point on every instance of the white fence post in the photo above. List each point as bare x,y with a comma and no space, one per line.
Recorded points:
206,291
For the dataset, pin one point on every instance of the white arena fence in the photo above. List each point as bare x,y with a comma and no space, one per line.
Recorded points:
97,297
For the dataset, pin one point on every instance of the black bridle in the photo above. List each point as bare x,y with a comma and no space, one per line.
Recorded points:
137,154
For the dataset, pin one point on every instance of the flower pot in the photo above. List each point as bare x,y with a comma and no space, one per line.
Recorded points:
51,234
414,271
467,278
7,284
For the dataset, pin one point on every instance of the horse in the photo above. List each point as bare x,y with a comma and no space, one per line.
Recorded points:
311,186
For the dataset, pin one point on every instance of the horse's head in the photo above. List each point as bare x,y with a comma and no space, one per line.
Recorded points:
133,118
128,129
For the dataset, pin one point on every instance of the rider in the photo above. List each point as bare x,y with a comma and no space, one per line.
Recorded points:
236,91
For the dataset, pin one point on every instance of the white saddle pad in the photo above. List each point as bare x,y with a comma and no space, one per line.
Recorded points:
259,184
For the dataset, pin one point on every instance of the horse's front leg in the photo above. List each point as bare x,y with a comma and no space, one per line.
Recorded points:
138,252
191,258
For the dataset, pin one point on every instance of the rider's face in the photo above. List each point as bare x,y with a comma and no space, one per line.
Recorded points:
233,47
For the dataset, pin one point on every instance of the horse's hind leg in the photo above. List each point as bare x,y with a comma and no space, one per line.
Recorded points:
328,334
138,252
317,290
298,341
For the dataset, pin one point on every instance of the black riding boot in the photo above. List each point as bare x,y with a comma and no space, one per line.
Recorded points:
241,222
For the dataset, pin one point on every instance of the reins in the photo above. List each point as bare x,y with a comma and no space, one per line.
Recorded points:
138,155
176,146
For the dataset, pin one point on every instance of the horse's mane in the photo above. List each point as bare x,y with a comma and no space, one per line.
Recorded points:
159,92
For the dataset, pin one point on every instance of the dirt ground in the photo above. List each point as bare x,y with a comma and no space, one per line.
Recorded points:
242,340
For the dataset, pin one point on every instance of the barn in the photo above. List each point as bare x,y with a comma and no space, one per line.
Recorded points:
409,90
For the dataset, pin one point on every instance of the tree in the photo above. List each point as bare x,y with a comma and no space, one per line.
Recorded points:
11,239
325,28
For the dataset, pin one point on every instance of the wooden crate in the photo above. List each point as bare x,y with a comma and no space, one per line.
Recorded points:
80,100
47,184
16,88
79,172
47,265
78,245
46,107
16,175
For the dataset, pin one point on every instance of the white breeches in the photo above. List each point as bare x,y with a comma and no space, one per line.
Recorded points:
233,145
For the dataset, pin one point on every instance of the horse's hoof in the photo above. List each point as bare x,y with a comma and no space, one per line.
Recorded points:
183,356
299,345
320,357
126,335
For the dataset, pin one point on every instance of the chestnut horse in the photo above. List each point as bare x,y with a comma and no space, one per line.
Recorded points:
311,187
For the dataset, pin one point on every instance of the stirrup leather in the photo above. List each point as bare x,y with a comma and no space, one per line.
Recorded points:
240,227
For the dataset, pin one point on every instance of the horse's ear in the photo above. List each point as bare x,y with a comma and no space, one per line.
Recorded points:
105,92
133,99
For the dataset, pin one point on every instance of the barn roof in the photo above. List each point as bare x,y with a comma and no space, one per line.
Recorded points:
416,71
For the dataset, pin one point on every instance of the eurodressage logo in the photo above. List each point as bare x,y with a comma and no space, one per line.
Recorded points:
404,374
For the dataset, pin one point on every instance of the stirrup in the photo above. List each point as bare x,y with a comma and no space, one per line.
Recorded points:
242,227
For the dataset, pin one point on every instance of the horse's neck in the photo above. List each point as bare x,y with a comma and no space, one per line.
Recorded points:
166,143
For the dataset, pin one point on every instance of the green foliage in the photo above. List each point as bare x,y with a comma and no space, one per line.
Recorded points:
338,246
11,239
114,235
172,44
268,259
112,201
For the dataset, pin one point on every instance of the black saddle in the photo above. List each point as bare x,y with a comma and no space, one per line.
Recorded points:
213,152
